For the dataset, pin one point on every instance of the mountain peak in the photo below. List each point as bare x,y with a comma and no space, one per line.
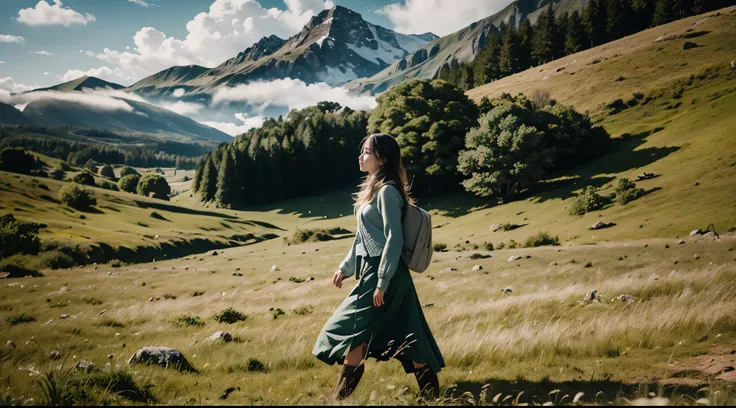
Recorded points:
83,82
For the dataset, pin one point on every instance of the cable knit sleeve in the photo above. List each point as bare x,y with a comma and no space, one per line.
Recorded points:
390,201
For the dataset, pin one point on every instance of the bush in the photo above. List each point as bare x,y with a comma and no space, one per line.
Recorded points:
541,239
229,316
129,183
509,227
17,160
18,237
513,244
316,235
439,247
65,166
108,185
588,200
56,260
517,144
153,185
127,171
57,174
626,191
187,321
90,165
489,246
84,178
20,265
22,318
107,171
76,196
255,365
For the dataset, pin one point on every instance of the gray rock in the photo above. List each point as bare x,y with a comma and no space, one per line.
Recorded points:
220,336
10,344
626,298
214,253
162,356
507,290
55,355
477,268
696,232
64,316
85,366
275,268
598,225
592,296
110,356
733,65
495,227
514,258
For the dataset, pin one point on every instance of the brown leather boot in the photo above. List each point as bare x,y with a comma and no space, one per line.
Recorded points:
347,380
429,384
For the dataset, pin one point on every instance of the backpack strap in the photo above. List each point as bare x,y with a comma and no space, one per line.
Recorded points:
404,206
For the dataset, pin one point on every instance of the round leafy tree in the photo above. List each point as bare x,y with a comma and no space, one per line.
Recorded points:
85,178
17,160
129,183
429,120
107,171
155,186
127,170
76,196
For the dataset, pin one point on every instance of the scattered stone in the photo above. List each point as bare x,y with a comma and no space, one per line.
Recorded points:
103,311
696,232
681,242
528,257
153,299
162,356
495,227
514,258
10,344
733,65
274,268
220,335
592,296
553,264
688,45
428,305
626,298
64,316
85,366
54,355
214,253
507,291
598,225
111,356
676,262
477,268
696,256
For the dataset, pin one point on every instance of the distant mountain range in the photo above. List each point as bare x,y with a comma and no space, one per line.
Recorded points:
336,46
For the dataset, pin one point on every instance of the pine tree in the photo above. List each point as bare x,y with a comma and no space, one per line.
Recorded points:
575,36
618,18
454,72
224,194
560,33
485,67
526,36
465,81
664,12
445,72
594,20
545,34
209,179
509,55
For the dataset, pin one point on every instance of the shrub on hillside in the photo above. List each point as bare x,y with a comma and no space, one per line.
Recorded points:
84,178
17,160
626,191
91,165
57,174
18,237
129,183
108,185
315,235
76,196
517,144
107,171
127,171
153,185
20,265
439,247
229,316
588,200
65,166
541,239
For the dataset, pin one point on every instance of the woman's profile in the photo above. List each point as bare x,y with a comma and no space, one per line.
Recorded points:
381,317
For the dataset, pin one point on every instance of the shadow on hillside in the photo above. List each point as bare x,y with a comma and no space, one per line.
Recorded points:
599,391
182,210
622,156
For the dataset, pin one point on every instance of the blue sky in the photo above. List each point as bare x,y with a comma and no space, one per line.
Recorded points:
45,42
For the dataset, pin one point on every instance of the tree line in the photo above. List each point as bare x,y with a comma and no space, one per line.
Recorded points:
310,151
77,153
555,36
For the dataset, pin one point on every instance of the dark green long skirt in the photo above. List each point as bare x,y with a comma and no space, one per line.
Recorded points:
397,329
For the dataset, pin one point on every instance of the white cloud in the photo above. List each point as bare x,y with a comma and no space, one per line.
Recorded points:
293,93
441,17
45,14
2,62
45,53
100,100
182,108
139,2
229,27
9,39
178,93
9,85
233,129
46,73
106,73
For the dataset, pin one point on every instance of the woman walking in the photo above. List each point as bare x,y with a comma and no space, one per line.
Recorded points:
382,316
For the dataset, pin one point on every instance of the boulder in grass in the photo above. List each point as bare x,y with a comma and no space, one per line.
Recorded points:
514,258
220,336
696,232
477,268
599,225
162,356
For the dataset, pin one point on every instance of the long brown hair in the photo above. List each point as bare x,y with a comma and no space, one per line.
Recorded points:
387,150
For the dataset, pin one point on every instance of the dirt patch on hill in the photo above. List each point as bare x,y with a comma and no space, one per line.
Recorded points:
719,364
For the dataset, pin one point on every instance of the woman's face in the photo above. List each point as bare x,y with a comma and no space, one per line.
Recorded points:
367,160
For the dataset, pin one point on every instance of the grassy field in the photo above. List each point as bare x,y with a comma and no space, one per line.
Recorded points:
677,339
